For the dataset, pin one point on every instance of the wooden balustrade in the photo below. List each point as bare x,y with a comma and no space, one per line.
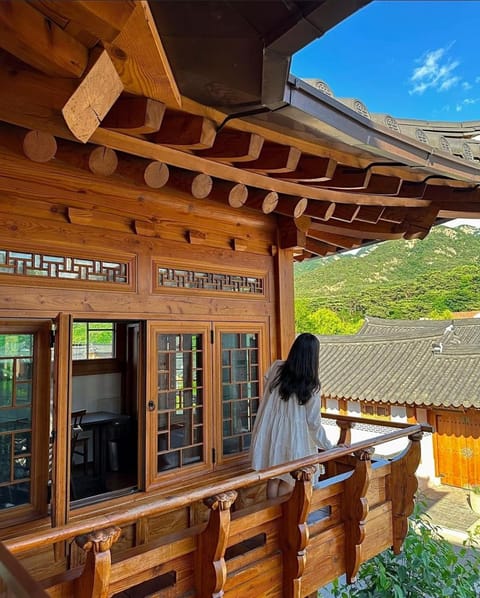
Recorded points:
289,546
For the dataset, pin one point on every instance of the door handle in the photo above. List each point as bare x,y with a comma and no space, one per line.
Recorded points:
151,406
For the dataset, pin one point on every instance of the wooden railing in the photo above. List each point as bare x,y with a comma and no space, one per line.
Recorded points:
284,547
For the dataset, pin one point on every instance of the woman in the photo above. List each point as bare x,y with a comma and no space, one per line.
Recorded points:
288,423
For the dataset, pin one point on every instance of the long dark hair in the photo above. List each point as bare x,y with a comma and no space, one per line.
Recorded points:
299,374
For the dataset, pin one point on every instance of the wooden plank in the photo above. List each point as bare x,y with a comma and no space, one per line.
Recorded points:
17,578
34,39
104,20
100,87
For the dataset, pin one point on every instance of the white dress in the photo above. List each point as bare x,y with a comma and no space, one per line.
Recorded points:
285,430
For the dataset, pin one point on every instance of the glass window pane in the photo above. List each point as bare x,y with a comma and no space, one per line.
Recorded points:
240,391
16,392
179,378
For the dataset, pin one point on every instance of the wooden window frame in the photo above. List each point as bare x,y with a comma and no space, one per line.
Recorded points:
40,406
253,327
375,406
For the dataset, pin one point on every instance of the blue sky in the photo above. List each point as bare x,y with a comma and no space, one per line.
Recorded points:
409,59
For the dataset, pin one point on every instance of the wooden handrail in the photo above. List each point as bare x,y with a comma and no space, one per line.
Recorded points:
162,505
370,421
17,577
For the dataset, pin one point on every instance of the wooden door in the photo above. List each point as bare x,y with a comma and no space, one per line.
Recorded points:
457,437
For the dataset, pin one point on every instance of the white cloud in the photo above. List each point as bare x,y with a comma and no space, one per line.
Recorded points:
436,71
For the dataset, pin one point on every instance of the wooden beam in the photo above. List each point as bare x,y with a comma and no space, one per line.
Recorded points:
93,98
38,146
322,210
275,159
394,215
312,169
234,146
361,230
369,213
419,222
141,60
292,206
185,131
412,189
334,239
96,159
103,19
152,173
193,183
35,40
345,212
235,194
348,178
135,116
262,200
289,236
318,247
380,184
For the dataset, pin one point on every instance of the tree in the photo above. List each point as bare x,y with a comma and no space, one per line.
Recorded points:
428,567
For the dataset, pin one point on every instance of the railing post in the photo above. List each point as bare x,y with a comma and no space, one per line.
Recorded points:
403,486
345,431
294,533
210,568
355,511
95,578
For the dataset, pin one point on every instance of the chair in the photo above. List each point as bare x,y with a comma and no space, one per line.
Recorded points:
79,442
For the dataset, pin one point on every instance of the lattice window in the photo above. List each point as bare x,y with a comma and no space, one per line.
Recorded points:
375,409
240,389
210,281
179,370
29,264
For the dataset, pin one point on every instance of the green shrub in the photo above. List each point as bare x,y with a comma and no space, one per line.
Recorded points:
428,567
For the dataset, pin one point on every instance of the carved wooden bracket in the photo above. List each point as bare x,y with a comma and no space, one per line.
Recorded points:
355,508
294,532
403,486
95,578
210,568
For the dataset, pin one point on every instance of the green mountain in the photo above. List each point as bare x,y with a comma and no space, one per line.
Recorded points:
396,279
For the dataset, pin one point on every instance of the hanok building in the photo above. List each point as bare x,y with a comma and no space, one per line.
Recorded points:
415,371
160,173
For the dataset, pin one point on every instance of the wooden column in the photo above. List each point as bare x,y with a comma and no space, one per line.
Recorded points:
294,532
285,309
355,510
95,579
210,568
403,486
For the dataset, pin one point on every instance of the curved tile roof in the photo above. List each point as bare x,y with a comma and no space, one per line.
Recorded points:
426,363
457,138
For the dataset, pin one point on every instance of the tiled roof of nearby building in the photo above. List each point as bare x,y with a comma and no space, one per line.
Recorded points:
431,363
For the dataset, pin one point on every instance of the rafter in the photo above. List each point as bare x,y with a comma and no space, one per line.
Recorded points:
312,169
275,159
234,146
135,115
185,131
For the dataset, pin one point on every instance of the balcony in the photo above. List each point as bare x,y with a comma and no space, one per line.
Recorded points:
290,546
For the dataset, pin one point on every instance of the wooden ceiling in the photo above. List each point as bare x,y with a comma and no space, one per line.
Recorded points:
89,83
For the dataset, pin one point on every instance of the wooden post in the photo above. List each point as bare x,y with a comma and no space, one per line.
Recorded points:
355,510
294,531
210,568
403,486
95,578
